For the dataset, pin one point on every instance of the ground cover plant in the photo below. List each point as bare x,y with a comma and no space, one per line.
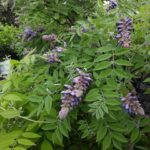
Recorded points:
74,75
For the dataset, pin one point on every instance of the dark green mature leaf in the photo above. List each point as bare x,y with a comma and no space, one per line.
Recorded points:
102,65
123,62
144,122
63,129
102,57
104,49
92,95
117,144
119,137
105,73
48,104
134,135
106,142
121,73
57,138
113,102
146,129
102,131
117,127
147,80
121,51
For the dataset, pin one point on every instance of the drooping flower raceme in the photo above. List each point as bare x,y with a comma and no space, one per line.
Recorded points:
132,105
49,38
73,94
124,30
28,34
53,55
110,4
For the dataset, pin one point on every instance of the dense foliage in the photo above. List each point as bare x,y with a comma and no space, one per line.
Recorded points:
72,53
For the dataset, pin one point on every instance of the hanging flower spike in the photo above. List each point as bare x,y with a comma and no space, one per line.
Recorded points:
49,38
29,34
59,49
131,104
124,27
53,55
110,4
73,94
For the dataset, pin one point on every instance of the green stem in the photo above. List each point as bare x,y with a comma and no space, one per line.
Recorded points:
36,121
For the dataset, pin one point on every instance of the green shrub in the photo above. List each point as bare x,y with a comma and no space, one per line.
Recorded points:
30,98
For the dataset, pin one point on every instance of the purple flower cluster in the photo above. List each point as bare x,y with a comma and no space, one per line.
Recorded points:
112,4
53,56
131,104
73,94
50,38
124,28
28,34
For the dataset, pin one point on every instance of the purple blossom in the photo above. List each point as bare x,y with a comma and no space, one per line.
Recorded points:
124,28
29,34
73,94
53,57
59,49
49,38
110,4
131,104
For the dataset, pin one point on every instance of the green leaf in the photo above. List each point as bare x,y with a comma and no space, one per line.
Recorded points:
102,65
14,97
106,142
119,137
30,135
104,49
46,145
8,139
104,107
123,62
63,129
117,127
66,123
48,104
102,130
121,51
19,148
105,73
57,138
144,122
11,113
102,57
111,94
113,102
50,126
25,142
147,80
92,95
121,73
117,144
134,135
146,129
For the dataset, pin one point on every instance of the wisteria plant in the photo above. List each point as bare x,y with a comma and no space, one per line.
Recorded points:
76,83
